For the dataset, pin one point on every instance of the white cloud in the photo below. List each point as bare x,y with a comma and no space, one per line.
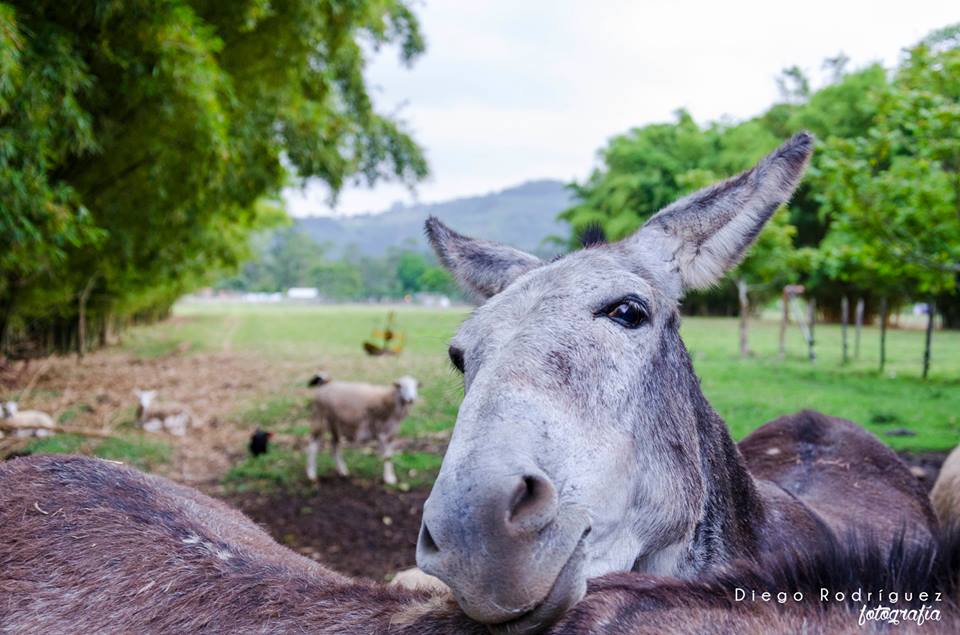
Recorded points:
509,91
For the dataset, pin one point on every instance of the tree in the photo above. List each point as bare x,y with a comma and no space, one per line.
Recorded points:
895,191
138,139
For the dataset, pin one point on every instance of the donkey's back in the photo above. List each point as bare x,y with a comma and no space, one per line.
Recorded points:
842,474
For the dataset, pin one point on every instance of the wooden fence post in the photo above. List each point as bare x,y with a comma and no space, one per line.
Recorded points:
784,321
931,313
859,327
883,333
844,319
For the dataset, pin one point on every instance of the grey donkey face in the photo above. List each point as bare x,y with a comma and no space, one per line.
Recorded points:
575,449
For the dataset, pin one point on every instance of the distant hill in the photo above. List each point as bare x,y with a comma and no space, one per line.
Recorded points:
521,216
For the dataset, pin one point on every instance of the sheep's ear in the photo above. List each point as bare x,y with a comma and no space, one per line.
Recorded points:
318,379
705,234
481,267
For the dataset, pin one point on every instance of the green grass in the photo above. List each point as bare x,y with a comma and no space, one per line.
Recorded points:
749,392
143,453
285,469
746,392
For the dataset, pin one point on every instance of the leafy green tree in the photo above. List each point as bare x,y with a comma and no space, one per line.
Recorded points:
137,140
411,267
895,191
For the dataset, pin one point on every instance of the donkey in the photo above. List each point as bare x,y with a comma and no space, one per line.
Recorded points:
93,546
584,444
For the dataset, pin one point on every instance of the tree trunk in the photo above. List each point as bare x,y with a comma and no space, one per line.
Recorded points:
949,307
883,333
744,315
859,328
6,313
844,319
931,313
104,334
812,319
784,322
82,316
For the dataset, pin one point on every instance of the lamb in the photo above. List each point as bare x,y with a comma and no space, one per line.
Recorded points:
945,495
154,416
27,423
356,412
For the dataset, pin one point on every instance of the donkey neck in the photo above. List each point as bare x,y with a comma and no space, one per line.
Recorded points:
732,510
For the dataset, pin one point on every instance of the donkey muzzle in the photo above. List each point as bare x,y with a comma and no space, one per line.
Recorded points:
502,545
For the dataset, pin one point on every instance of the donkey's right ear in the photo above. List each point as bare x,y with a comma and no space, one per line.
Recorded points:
481,267
705,234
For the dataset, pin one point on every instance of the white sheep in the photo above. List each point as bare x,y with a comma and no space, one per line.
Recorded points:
27,423
357,412
155,416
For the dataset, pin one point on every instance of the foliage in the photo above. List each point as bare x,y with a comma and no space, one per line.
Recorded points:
879,215
139,141
289,258
894,192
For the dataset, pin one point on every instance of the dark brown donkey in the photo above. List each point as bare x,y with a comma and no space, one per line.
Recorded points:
584,444
90,546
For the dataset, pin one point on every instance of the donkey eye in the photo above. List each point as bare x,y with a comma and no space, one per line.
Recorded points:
628,313
456,357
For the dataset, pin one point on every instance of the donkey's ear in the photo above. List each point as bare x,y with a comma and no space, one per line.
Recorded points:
481,267
705,234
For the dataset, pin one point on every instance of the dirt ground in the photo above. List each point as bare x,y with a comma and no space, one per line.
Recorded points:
355,527
97,394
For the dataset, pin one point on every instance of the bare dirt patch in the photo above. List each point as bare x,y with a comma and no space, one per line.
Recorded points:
355,527
97,393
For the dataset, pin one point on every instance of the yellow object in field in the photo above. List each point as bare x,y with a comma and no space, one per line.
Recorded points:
387,341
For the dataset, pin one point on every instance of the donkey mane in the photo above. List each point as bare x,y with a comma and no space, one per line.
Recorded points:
863,561
592,236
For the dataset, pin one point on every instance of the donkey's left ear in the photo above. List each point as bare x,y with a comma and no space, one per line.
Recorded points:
481,267
705,234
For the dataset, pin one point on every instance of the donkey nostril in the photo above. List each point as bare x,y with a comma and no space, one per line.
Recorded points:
427,544
533,504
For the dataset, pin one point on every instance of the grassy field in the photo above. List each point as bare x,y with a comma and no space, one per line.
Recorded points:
746,392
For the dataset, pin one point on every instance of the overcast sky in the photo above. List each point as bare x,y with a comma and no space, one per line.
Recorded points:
512,90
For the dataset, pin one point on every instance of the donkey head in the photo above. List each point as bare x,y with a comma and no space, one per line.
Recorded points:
575,451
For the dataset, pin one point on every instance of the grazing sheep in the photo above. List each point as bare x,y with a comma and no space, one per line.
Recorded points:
154,416
946,491
27,423
356,412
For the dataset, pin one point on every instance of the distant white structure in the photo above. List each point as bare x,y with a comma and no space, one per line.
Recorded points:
262,297
436,300
303,293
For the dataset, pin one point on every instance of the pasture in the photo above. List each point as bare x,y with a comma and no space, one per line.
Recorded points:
243,366
746,393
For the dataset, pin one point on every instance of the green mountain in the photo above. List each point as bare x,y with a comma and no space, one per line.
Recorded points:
523,216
